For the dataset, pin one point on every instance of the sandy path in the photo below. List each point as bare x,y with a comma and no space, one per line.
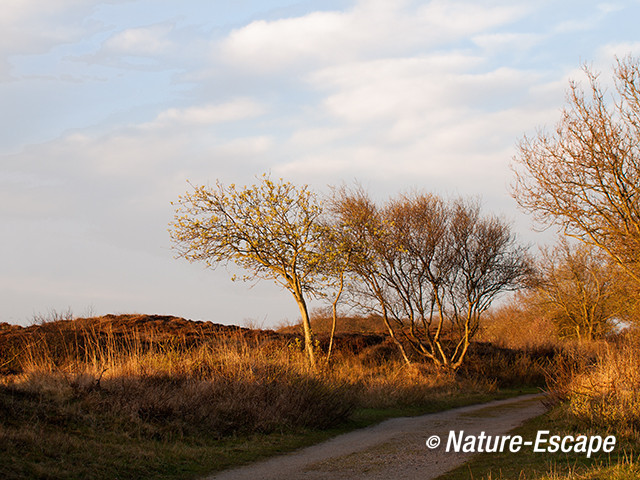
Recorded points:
395,448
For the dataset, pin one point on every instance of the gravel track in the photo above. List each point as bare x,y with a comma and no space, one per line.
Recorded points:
393,449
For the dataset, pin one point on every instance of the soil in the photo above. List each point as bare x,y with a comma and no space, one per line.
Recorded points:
395,448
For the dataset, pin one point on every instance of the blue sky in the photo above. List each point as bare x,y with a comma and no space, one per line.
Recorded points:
109,107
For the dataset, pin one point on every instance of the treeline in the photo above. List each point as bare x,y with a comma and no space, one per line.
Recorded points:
578,293
430,267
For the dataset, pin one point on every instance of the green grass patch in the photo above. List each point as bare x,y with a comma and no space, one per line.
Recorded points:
364,417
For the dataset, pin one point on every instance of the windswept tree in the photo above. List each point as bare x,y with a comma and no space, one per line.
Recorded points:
271,230
585,176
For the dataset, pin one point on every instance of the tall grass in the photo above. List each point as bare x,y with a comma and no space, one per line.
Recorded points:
607,393
122,395
177,384
626,469
223,385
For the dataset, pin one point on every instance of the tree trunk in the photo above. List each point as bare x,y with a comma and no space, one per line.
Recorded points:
334,315
306,328
394,338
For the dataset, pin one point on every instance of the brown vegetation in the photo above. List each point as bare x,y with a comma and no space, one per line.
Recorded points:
519,324
166,379
585,178
110,357
175,374
605,393
582,291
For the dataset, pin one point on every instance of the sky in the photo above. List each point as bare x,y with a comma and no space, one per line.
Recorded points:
108,108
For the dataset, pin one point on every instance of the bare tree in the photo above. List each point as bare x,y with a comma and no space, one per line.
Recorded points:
433,267
453,262
582,291
416,263
585,176
362,233
270,229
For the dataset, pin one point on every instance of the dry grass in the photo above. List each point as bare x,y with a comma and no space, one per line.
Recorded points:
223,385
624,470
237,381
159,393
606,395
509,367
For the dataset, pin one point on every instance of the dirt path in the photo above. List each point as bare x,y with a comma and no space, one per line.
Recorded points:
395,448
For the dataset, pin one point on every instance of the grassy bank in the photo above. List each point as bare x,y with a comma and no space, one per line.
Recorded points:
595,390
130,397
528,465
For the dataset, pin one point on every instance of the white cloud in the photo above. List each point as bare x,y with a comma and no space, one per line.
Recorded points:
461,19
143,41
429,90
437,120
499,42
368,91
246,148
468,150
179,140
274,45
369,30
312,137
391,92
608,52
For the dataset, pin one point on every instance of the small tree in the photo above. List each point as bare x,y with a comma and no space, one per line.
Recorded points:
336,251
270,230
447,265
432,268
581,290
585,177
